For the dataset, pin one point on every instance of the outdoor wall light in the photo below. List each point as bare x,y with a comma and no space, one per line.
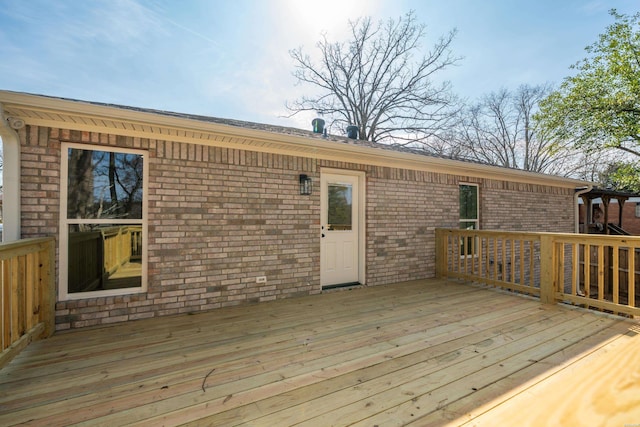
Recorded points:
305,185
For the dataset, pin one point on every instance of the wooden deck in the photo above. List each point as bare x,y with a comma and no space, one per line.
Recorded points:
420,353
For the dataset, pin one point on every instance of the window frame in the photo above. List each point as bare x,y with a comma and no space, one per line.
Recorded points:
64,223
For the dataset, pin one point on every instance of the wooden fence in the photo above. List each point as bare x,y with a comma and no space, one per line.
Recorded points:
27,275
595,271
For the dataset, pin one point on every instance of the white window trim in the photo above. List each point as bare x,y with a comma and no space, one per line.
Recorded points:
63,293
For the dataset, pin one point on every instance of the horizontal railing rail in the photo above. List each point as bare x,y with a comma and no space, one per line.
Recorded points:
595,271
27,286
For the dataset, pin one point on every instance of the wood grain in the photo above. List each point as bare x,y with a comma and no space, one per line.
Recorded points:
427,352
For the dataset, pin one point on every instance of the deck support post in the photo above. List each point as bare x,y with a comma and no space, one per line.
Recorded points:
547,273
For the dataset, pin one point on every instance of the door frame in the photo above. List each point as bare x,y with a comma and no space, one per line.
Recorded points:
362,191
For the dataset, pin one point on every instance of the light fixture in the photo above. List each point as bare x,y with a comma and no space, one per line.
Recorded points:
305,185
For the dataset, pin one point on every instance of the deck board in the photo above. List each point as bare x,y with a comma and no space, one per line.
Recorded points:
425,352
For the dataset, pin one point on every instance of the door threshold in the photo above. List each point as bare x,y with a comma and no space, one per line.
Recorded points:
337,286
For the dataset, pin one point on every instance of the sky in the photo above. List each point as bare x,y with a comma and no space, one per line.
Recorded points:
230,59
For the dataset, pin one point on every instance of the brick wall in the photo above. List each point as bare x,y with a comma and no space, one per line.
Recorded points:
40,186
630,223
526,207
218,218
405,207
403,211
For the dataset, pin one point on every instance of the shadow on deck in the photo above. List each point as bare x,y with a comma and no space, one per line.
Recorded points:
427,352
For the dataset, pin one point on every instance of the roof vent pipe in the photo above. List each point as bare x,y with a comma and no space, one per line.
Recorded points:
318,125
352,132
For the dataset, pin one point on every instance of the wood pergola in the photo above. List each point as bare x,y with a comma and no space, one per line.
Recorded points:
606,196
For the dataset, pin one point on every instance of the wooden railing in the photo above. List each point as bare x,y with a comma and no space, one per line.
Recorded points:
595,271
27,270
120,246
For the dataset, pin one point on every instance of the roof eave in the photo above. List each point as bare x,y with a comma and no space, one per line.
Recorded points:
86,116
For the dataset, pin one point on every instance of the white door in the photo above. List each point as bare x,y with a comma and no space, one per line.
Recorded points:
339,222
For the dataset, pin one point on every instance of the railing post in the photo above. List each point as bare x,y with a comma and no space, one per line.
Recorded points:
47,263
29,294
547,273
441,253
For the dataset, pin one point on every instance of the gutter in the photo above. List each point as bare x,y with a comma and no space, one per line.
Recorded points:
579,192
11,176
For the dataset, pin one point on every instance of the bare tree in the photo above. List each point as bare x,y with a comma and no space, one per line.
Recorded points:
104,185
500,130
380,81
80,195
119,175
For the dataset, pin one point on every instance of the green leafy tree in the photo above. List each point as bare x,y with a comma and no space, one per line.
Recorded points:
622,176
599,107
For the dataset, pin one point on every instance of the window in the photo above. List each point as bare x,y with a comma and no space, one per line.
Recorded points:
339,207
469,207
638,210
469,218
103,225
